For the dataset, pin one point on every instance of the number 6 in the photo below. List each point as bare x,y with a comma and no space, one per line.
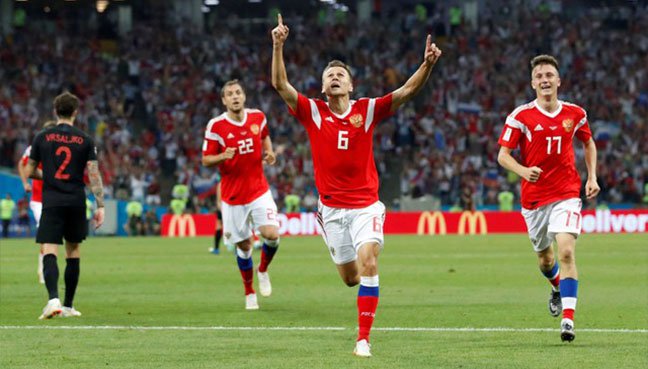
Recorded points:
343,140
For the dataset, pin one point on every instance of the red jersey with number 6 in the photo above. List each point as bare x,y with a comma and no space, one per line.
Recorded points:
546,141
342,148
64,151
243,180
37,184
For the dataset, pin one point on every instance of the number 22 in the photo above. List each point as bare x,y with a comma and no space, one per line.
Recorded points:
66,161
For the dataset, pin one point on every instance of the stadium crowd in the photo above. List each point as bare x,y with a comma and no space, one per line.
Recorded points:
148,96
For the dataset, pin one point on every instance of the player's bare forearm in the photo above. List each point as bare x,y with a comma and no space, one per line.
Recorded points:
212,160
269,156
279,77
96,184
590,158
22,173
505,159
32,170
412,87
416,82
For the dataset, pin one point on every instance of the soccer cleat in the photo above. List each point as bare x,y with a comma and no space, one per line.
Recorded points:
251,302
264,284
52,309
362,349
555,303
214,250
69,312
567,330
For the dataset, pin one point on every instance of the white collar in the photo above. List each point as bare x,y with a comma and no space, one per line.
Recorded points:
550,115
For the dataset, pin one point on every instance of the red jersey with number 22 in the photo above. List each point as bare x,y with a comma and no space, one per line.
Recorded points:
342,148
546,141
243,180
37,184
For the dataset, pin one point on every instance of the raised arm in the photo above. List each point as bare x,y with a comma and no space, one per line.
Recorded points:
279,77
416,82
96,186
591,187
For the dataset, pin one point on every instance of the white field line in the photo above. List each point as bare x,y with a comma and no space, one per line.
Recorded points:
222,328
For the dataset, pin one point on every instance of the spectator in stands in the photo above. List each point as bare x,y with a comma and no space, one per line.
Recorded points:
7,206
133,225
292,203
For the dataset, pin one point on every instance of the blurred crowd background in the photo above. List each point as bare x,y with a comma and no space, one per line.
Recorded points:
148,93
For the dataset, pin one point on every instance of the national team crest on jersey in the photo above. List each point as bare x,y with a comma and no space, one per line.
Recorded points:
255,129
356,120
568,124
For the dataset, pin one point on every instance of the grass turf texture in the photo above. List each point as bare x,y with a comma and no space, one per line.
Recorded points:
439,282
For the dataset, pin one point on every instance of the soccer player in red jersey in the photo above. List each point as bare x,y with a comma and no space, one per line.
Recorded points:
341,137
36,201
238,142
544,130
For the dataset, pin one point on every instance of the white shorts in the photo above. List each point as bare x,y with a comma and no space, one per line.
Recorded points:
239,220
37,210
546,221
345,230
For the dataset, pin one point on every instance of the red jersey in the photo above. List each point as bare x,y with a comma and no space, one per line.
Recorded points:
37,184
243,180
342,148
546,142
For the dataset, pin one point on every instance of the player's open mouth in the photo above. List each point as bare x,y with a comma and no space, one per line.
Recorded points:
335,85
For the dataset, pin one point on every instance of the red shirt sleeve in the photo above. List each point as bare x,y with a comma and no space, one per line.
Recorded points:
583,132
303,110
383,108
511,133
264,131
211,144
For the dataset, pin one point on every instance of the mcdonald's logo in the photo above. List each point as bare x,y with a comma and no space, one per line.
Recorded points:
431,220
180,224
473,220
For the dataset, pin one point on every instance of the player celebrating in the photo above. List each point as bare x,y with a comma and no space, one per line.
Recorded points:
234,141
36,201
341,138
544,130
64,152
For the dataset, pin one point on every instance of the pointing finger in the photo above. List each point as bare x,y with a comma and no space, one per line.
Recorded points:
280,19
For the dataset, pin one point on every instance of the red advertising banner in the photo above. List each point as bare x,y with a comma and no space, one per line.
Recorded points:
424,223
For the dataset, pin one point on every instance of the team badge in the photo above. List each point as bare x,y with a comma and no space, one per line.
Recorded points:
356,120
568,124
255,129
227,235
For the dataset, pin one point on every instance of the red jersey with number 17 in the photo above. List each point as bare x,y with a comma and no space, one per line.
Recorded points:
37,184
243,180
546,141
342,148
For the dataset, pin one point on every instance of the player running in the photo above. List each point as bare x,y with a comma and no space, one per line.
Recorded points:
238,142
64,151
544,130
36,201
341,138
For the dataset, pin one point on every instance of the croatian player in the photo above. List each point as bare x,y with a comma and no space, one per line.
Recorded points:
235,142
544,130
341,138
36,201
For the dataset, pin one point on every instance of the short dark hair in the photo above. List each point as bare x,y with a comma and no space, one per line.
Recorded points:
339,63
544,59
231,83
65,105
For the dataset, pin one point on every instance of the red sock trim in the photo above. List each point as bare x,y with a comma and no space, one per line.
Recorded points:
568,314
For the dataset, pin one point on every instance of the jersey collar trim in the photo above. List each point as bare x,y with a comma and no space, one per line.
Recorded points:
232,121
544,112
341,116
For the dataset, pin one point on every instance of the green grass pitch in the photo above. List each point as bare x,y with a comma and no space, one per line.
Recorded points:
195,302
